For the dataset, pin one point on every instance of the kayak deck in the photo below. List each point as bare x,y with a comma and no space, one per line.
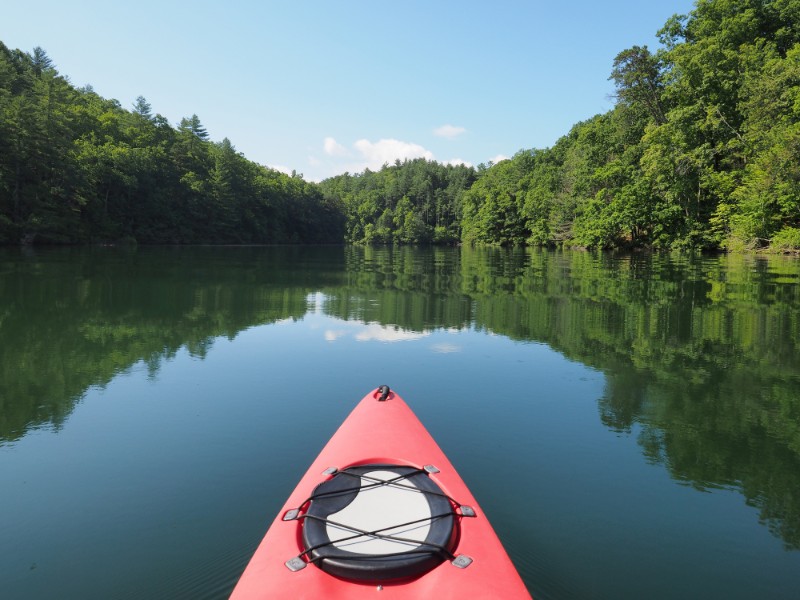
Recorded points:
380,493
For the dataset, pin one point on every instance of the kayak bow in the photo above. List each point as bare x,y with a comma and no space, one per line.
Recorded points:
381,509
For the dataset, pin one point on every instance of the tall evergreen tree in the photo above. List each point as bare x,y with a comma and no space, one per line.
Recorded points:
142,108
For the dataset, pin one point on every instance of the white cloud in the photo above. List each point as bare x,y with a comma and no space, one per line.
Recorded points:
334,148
331,335
499,158
366,154
448,131
387,151
281,168
375,332
372,332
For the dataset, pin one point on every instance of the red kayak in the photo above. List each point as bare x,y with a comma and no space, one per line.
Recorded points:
381,513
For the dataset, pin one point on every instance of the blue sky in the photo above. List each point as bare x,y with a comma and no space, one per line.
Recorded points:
323,87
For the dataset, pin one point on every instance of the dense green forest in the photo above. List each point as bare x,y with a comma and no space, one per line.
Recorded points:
701,151
412,202
77,168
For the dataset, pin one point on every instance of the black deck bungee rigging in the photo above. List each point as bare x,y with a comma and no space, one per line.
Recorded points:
333,494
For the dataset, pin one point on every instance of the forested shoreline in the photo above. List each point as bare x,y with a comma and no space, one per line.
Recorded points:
701,151
78,168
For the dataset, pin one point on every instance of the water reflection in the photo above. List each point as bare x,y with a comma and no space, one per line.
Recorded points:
700,354
75,318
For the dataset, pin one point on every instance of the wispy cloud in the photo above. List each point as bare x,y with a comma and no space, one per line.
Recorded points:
379,333
281,168
449,131
334,148
367,154
375,154
373,332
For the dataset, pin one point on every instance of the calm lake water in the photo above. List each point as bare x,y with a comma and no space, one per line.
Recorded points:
631,424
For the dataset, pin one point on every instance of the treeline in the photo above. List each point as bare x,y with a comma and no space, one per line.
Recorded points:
413,202
702,149
77,168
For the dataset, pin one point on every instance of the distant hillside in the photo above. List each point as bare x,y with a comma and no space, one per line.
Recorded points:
701,151
77,168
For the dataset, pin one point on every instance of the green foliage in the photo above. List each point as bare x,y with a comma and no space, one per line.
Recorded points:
638,78
701,151
492,208
413,202
787,240
77,168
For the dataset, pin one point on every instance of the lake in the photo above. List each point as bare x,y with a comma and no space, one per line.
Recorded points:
629,423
